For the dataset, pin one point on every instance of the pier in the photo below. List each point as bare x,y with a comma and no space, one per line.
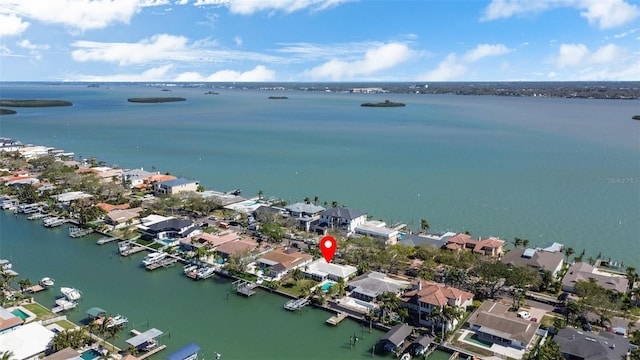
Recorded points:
170,261
67,306
34,289
106,240
53,221
337,318
296,304
127,248
244,287
76,231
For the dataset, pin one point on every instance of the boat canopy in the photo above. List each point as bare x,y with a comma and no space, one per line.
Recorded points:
184,353
95,312
144,337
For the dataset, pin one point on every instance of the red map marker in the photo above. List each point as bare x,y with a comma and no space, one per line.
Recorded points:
328,247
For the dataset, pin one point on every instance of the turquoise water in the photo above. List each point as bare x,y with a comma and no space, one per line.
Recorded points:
90,354
21,314
327,286
206,312
545,169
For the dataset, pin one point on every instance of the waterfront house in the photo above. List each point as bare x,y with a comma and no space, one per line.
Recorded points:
104,173
241,247
425,296
65,199
493,322
145,341
8,321
342,218
187,352
305,214
437,240
378,230
490,246
534,258
159,228
27,341
579,345
136,177
581,271
395,338
172,187
209,241
119,218
321,270
149,181
279,262
64,354
8,144
370,285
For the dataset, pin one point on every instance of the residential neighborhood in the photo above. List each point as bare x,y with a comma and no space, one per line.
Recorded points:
452,292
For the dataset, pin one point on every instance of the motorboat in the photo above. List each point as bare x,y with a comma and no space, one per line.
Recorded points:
204,272
116,321
65,304
153,258
189,268
70,293
47,282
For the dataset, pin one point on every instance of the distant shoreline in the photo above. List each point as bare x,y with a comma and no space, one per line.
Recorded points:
7,112
34,103
154,100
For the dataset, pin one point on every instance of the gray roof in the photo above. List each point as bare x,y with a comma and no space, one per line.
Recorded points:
588,346
304,208
374,283
581,271
64,354
534,258
492,318
416,240
397,334
177,182
144,337
343,213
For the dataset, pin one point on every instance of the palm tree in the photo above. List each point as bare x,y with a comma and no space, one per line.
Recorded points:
260,193
307,200
517,242
449,315
568,252
389,302
632,275
424,225
525,242
7,355
315,200
24,284
434,314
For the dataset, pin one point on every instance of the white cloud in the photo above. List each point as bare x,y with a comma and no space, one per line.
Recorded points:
580,55
181,2
626,33
78,14
238,40
12,25
605,13
161,46
257,74
485,50
153,74
379,58
34,49
449,69
248,7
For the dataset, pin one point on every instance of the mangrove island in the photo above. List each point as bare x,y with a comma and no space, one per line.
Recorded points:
153,100
34,103
386,103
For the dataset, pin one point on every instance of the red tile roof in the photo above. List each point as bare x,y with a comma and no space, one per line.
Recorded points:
435,293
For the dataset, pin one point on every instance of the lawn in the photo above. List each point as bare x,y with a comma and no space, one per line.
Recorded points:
66,324
41,312
294,288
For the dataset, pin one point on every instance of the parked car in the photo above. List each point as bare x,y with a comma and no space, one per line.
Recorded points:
524,315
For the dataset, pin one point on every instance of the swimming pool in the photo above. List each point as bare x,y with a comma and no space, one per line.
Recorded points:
325,287
21,314
90,354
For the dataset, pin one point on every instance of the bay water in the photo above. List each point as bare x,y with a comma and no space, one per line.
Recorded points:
545,169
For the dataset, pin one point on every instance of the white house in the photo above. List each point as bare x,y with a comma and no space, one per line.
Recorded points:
379,230
321,270
343,218
26,342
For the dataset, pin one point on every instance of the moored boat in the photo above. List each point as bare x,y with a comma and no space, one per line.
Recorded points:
47,282
70,293
153,258
116,321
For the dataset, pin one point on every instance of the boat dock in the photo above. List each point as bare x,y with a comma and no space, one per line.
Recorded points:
53,221
337,318
296,304
66,306
106,240
34,289
244,287
170,261
76,231
157,349
127,248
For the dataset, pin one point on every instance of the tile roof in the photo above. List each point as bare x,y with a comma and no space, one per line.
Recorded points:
108,207
236,247
435,293
288,259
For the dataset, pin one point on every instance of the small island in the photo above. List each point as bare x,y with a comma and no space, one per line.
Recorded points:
386,103
7,112
211,93
278,97
153,100
636,117
34,103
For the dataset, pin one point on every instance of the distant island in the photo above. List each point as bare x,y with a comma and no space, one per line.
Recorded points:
211,93
34,103
153,100
386,103
636,117
278,97
7,112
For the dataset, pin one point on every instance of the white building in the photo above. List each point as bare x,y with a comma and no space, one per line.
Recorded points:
378,229
321,270
26,342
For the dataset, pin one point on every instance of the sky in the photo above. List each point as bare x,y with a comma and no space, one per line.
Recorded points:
319,40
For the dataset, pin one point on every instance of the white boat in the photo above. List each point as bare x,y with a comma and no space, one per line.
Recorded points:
204,272
47,282
189,268
153,258
117,320
53,221
65,304
5,264
70,293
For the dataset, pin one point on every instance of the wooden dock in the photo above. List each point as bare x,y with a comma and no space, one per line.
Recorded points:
129,248
154,351
170,261
106,240
34,289
336,319
296,304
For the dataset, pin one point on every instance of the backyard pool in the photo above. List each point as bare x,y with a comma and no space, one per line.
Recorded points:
325,287
21,314
90,354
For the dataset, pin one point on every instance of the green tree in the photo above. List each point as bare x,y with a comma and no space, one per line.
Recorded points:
389,302
24,284
260,193
568,252
517,242
550,351
424,225
7,355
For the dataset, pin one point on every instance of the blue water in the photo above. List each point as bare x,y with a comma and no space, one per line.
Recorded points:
327,286
90,354
545,169
21,314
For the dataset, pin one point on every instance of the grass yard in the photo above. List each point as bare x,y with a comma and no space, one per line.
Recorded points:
41,312
294,288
